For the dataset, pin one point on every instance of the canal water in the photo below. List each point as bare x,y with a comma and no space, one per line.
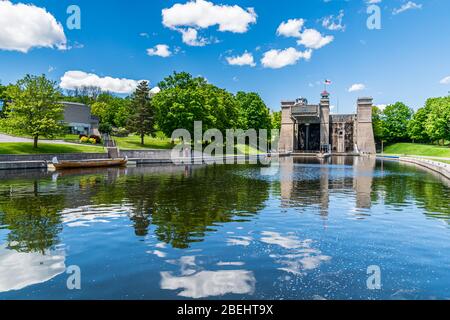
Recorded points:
349,228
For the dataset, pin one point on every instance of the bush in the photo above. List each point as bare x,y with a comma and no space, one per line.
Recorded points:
84,139
97,138
92,140
81,136
120,132
105,128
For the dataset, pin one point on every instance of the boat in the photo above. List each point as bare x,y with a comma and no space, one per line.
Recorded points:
69,164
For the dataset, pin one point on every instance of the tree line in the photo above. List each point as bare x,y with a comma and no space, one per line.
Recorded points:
33,107
399,123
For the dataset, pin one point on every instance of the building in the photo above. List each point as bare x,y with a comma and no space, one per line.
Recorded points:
79,119
311,128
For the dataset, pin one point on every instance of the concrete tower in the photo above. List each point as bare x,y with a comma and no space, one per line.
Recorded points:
365,140
325,118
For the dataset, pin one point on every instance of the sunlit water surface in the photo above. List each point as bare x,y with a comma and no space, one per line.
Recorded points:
303,230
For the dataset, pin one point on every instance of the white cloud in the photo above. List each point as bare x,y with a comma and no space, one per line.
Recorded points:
334,23
381,106
201,14
357,87
26,26
310,38
191,38
155,90
374,1
313,39
78,79
244,60
446,80
291,28
161,50
276,59
407,6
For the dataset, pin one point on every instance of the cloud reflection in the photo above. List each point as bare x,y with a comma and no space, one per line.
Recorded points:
19,270
201,284
301,256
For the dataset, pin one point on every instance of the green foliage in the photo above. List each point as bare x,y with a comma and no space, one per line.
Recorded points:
377,123
141,117
395,122
34,108
276,120
253,112
438,122
184,99
416,127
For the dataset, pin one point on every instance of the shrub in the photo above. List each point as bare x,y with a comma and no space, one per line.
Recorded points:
92,140
84,139
120,132
82,136
105,128
97,138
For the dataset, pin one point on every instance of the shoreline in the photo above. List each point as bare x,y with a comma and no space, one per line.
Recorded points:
439,167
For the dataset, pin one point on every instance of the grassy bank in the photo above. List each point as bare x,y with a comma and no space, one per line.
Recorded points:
417,149
27,148
133,142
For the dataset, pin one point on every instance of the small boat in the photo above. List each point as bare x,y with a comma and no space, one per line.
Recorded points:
69,164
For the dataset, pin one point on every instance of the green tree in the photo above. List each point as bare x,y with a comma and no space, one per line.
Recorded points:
395,122
141,117
184,99
253,112
438,121
276,120
34,108
377,123
417,126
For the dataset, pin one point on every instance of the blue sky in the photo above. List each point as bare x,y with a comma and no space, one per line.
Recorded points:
406,60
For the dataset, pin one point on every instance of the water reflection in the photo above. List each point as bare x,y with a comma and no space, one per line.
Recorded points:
183,218
19,270
204,283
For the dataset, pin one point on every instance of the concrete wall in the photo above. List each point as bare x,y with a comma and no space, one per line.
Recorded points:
21,165
286,143
147,154
364,131
48,157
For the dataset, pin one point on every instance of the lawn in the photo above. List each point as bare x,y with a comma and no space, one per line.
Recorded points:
27,148
133,142
416,149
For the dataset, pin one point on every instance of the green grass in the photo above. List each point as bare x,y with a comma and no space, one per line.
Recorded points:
133,142
416,149
27,148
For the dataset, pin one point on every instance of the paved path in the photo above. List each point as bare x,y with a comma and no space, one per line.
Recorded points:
8,138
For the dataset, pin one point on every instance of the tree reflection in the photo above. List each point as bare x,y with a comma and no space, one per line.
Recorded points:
33,220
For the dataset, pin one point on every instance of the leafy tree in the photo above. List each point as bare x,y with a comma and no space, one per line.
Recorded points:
395,122
377,123
416,127
438,121
34,108
141,118
184,99
276,120
85,94
253,112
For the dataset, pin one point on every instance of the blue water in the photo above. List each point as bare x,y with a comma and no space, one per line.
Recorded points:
300,230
